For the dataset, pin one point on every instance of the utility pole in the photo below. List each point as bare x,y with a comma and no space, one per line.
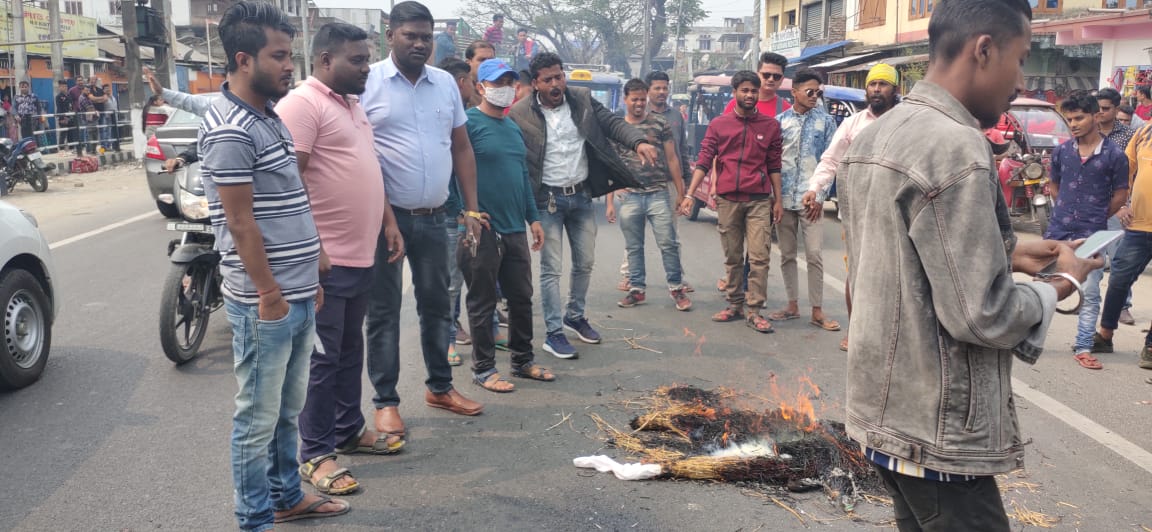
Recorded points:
163,64
55,33
19,55
307,55
645,57
134,72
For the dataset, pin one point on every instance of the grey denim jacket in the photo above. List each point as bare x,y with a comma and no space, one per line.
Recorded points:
938,315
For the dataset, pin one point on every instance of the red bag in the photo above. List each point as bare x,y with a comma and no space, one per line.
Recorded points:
84,165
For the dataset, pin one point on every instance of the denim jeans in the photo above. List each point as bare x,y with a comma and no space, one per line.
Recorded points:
427,252
271,367
455,276
1114,224
638,209
573,214
1132,257
1089,310
506,259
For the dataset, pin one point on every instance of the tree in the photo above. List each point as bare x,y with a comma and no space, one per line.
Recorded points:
593,31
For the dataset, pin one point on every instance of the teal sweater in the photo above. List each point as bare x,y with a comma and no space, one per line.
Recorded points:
502,172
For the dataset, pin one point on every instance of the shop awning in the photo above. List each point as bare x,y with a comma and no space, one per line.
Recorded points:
844,60
1060,83
894,61
813,51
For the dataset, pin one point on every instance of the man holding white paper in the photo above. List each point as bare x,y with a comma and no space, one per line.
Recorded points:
1090,184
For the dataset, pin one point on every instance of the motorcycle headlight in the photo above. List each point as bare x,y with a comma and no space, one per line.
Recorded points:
192,207
1034,170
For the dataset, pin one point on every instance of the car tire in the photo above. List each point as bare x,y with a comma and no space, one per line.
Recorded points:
26,333
168,210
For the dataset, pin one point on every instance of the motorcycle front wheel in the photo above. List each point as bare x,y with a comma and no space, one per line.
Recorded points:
185,306
1043,214
37,178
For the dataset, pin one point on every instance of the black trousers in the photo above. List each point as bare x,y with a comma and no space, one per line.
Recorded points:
933,506
507,260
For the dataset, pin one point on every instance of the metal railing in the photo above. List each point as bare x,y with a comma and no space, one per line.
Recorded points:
107,131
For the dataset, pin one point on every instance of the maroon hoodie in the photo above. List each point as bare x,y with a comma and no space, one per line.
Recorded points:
746,150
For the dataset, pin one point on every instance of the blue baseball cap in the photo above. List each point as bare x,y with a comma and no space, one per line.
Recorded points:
492,69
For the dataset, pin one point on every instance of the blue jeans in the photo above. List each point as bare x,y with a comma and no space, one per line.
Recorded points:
1089,310
638,210
573,214
271,366
1132,257
427,252
1114,224
455,276
107,124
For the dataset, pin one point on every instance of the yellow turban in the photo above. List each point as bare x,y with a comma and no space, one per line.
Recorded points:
883,72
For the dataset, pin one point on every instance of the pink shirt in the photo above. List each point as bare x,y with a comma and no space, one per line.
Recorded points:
830,161
344,181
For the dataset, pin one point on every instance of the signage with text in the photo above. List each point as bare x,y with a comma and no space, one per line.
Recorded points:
786,42
37,28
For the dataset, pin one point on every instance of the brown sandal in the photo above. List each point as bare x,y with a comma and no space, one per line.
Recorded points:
727,315
760,324
493,382
534,371
826,324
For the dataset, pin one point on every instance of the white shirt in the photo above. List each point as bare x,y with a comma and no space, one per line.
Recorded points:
412,125
565,162
825,174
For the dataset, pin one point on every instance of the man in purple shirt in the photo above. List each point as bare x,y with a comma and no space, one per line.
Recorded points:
1090,184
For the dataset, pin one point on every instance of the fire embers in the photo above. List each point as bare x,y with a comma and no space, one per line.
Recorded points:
701,434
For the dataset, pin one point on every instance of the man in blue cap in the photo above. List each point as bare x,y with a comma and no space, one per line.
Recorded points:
501,253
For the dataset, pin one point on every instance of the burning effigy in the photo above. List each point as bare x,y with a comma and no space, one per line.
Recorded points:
699,434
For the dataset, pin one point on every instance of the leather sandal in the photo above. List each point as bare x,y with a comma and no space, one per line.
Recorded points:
759,324
727,315
533,371
493,382
325,484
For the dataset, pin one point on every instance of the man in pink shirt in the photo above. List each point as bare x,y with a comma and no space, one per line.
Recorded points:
337,160
771,71
882,84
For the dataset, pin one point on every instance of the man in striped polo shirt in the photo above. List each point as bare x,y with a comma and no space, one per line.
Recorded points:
270,260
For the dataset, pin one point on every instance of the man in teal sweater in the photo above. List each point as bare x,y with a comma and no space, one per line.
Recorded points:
501,253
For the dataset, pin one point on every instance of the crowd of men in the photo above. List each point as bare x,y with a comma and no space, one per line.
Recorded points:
318,194
85,115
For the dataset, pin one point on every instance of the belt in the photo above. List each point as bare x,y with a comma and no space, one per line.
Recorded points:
419,212
566,191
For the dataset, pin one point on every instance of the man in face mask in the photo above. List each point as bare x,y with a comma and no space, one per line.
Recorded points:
501,252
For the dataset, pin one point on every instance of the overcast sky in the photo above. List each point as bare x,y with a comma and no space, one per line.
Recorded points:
717,9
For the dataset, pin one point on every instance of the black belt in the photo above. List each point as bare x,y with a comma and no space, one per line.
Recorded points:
566,191
419,212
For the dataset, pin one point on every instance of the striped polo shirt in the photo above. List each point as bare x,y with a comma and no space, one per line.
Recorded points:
240,146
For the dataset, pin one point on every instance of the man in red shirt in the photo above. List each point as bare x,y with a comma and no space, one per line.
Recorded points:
771,71
746,148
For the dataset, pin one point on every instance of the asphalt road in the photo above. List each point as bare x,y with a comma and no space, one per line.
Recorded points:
114,437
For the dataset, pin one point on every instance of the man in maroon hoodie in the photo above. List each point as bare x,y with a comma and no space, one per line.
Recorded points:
745,147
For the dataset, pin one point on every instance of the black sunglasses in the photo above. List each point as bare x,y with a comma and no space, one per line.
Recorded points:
772,76
814,92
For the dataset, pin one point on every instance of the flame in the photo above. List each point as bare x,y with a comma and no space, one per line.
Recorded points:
724,437
797,408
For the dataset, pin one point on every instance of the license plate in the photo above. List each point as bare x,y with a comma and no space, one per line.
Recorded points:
188,227
35,156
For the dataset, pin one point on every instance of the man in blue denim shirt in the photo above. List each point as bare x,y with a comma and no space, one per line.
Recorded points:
1090,183
808,131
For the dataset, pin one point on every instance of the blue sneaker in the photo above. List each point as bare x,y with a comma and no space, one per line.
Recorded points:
580,326
558,345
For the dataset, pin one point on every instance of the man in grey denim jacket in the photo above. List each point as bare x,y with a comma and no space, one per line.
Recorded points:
930,360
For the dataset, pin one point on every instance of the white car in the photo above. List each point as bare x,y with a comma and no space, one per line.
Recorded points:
27,300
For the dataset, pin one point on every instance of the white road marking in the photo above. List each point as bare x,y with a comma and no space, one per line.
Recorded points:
100,230
1081,423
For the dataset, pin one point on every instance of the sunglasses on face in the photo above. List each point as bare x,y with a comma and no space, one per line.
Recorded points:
814,92
771,76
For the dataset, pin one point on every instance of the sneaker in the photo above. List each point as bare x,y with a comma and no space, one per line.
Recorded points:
1126,318
634,297
558,345
584,331
1146,357
681,299
462,337
1100,344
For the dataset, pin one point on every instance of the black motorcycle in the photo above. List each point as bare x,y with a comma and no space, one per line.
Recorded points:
22,162
192,289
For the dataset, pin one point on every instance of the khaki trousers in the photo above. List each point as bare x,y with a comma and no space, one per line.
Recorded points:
751,222
793,225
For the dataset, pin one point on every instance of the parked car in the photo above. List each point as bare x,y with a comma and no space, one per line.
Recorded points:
27,299
170,140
